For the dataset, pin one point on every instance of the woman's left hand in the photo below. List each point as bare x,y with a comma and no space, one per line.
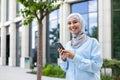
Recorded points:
69,53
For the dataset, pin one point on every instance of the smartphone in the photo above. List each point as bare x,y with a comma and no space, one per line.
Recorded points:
59,45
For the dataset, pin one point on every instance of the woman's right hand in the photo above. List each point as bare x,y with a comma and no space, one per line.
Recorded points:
61,52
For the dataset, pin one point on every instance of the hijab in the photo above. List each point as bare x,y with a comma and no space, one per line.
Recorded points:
81,37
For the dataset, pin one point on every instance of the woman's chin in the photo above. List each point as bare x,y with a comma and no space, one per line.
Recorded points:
74,33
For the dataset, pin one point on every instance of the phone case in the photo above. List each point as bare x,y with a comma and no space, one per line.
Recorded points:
59,45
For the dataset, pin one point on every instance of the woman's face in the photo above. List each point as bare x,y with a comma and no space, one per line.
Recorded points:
74,26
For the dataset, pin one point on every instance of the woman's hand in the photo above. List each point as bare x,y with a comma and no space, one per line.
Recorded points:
66,53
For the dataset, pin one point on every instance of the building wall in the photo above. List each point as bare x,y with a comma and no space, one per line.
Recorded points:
19,45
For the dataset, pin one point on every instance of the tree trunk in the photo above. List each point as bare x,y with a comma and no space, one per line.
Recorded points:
39,53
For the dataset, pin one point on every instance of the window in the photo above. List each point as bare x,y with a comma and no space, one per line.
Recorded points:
34,40
34,34
19,6
53,36
18,41
88,9
116,29
82,6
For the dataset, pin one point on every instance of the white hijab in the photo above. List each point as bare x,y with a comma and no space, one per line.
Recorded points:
81,37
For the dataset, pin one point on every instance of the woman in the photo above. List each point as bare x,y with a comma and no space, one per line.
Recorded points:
82,57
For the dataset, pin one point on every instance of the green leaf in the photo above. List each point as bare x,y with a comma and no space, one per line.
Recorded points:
33,8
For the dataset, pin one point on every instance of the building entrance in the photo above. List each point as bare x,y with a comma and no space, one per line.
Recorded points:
7,49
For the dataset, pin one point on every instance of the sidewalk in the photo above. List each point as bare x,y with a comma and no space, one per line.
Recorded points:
17,73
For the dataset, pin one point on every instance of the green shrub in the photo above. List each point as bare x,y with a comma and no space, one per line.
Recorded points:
106,77
114,65
53,71
47,70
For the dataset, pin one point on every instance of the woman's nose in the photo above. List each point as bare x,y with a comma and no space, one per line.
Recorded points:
72,25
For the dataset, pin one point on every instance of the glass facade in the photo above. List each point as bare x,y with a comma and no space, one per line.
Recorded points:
34,34
53,36
116,29
18,7
34,40
88,9
18,41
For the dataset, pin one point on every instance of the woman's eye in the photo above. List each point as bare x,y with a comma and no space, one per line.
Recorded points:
69,23
75,22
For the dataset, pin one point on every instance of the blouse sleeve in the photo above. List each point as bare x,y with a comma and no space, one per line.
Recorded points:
64,65
94,63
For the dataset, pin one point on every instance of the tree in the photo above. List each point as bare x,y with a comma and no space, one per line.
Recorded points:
38,9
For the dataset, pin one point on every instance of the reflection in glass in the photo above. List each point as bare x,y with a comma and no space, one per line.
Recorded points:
52,54
80,7
92,6
18,41
116,34
85,17
34,30
92,22
116,5
18,7
88,9
34,40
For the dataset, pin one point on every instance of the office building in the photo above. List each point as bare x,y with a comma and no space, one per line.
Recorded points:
18,43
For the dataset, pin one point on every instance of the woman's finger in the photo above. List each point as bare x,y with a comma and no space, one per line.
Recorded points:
60,51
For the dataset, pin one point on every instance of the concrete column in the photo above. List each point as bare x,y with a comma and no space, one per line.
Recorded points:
3,46
25,59
12,9
104,16
105,29
3,11
3,33
12,57
64,32
12,14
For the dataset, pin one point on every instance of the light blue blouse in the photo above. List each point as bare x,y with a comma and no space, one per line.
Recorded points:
86,63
